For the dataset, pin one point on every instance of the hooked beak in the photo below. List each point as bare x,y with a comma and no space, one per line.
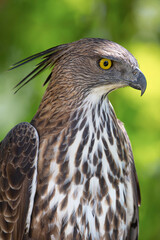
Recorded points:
140,83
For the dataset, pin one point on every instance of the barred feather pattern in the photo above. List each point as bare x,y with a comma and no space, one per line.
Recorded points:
85,191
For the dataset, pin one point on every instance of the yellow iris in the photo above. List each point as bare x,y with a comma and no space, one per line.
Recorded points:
105,63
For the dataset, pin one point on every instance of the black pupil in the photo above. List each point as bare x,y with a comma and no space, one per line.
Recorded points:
105,63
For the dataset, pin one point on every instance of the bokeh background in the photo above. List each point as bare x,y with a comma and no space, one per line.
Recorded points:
27,27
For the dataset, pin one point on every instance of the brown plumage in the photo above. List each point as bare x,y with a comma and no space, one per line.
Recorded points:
70,173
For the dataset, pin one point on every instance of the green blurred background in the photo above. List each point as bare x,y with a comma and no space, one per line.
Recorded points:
27,27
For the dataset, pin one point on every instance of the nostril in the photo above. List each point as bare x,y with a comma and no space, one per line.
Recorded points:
136,72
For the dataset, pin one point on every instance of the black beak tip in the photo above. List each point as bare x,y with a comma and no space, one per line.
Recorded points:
143,89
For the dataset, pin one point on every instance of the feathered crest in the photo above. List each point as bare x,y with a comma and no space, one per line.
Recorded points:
49,57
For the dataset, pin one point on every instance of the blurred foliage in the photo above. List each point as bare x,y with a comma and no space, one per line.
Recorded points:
27,27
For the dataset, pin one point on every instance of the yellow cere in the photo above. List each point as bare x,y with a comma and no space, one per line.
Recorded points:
105,63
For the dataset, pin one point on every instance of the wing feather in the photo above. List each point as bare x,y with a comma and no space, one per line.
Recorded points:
18,171
134,227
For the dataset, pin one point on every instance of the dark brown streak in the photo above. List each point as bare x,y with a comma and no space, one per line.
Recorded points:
91,144
112,164
109,130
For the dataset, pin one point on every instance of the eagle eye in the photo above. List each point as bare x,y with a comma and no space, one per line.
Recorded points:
105,63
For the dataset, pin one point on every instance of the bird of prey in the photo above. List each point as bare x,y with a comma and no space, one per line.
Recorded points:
70,173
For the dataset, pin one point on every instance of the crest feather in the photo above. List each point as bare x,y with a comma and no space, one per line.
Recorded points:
49,58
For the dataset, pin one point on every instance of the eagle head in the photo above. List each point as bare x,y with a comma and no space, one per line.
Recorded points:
88,65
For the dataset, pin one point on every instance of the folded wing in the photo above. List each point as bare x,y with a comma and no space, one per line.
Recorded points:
18,173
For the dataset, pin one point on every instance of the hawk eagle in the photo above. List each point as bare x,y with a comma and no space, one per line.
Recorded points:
70,173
